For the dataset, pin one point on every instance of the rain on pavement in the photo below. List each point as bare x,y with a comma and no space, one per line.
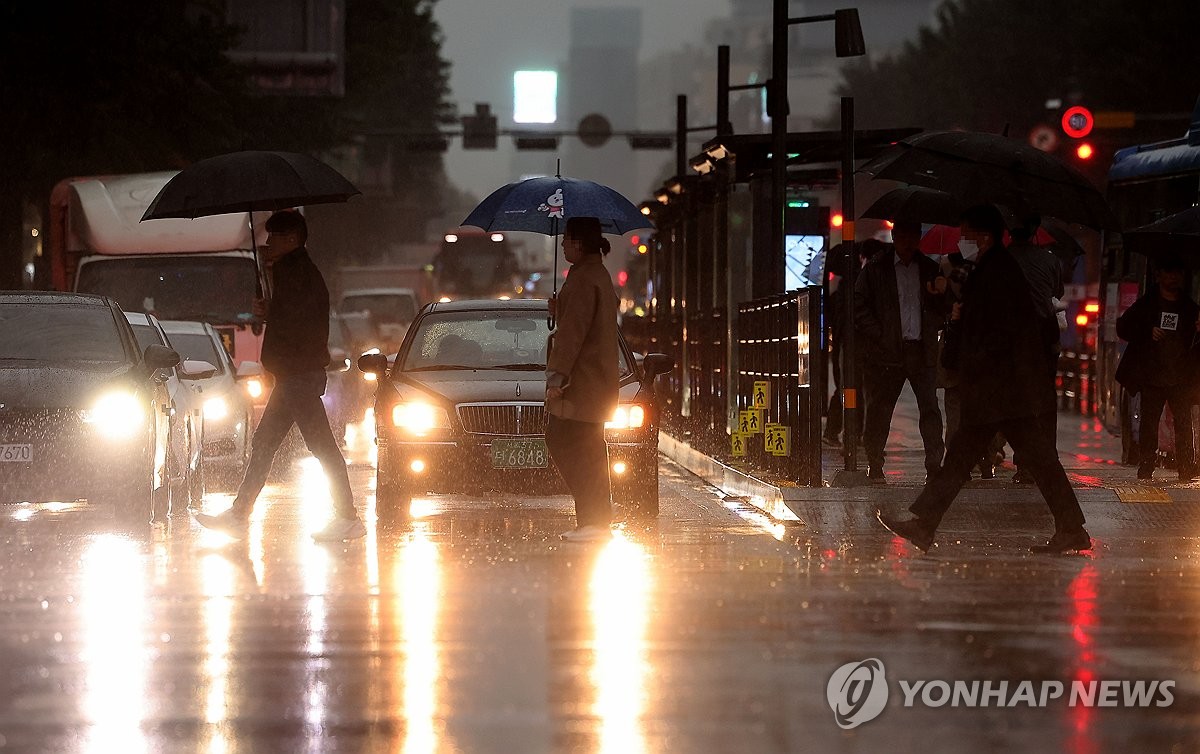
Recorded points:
470,627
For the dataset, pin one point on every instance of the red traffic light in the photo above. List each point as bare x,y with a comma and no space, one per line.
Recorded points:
1084,151
622,278
1077,122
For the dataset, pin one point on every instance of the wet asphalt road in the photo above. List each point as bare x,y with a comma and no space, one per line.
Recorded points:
469,627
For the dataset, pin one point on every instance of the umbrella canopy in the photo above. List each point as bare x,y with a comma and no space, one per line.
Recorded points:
980,168
916,204
543,205
1174,235
943,239
249,181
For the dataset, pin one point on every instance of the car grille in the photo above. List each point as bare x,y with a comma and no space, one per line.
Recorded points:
503,419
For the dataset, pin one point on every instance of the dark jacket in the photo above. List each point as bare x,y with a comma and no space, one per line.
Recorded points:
297,333
877,311
1003,350
1146,363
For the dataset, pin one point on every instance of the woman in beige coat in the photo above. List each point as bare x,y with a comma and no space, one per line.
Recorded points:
581,379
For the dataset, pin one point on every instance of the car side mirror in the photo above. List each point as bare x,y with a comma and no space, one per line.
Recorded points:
248,369
196,370
373,363
160,357
657,363
338,361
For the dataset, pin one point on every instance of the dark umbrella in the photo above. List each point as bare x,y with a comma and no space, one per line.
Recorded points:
916,204
543,205
1174,235
247,182
980,168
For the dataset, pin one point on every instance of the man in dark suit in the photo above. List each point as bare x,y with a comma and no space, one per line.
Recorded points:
1003,350
898,312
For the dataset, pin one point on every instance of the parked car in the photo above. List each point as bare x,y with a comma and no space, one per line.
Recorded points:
226,405
83,408
185,462
463,408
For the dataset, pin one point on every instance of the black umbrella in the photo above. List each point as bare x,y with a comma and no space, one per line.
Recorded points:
980,168
1174,235
916,204
247,182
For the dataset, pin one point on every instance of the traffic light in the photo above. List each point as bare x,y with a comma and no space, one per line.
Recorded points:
1084,151
479,130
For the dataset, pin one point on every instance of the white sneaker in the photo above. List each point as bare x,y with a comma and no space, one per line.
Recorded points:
590,533
227,522
340,529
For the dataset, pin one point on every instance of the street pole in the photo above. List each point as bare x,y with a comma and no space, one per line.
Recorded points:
849,476
724,127
778,99
681,131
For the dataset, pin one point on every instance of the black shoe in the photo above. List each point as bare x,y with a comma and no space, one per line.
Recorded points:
1064,541
987,471
875,474
1022,477
913,530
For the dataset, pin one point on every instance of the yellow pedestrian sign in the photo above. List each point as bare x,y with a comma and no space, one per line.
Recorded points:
778,440
738,441
750,421
761,395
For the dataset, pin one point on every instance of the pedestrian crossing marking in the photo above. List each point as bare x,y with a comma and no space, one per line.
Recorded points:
1140,493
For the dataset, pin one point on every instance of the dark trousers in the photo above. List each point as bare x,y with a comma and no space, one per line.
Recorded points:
1179,398
581,457
995,448
296,399
1040,457
884,384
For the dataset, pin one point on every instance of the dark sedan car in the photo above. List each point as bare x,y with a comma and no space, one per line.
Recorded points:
462,408
83,411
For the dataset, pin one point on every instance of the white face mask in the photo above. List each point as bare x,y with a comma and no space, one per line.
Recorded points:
969,249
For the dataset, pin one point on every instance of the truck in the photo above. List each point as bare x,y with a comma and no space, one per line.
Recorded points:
202,270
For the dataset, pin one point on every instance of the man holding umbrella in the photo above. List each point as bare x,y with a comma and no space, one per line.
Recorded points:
295,352
582,379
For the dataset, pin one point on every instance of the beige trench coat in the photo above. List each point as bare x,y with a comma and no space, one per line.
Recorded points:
583,346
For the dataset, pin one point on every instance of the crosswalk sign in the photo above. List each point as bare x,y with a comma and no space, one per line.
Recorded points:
778,440
750,421
738,440
761,395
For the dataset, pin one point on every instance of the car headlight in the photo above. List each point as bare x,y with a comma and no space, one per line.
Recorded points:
254,386
216,409
370,376
419,418
630,416
116,415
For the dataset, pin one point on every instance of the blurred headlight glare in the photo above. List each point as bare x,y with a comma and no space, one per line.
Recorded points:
254,387
216,409
629,416
116,415
419,418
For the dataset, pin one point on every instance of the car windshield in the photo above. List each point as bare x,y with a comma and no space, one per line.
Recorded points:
197,347
384,308
489,339
58,333
219,290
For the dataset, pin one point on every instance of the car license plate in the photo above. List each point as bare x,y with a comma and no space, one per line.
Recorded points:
519,454
16,453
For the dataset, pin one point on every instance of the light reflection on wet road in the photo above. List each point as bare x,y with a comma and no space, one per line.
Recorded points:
469,627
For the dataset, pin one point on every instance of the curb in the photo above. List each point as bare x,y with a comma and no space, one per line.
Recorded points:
767,497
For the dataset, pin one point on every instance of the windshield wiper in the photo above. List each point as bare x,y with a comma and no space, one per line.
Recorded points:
525,367
439,367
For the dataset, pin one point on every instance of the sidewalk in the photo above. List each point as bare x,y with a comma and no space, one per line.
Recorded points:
1090,455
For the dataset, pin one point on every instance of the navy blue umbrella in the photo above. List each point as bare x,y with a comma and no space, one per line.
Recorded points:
543,205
